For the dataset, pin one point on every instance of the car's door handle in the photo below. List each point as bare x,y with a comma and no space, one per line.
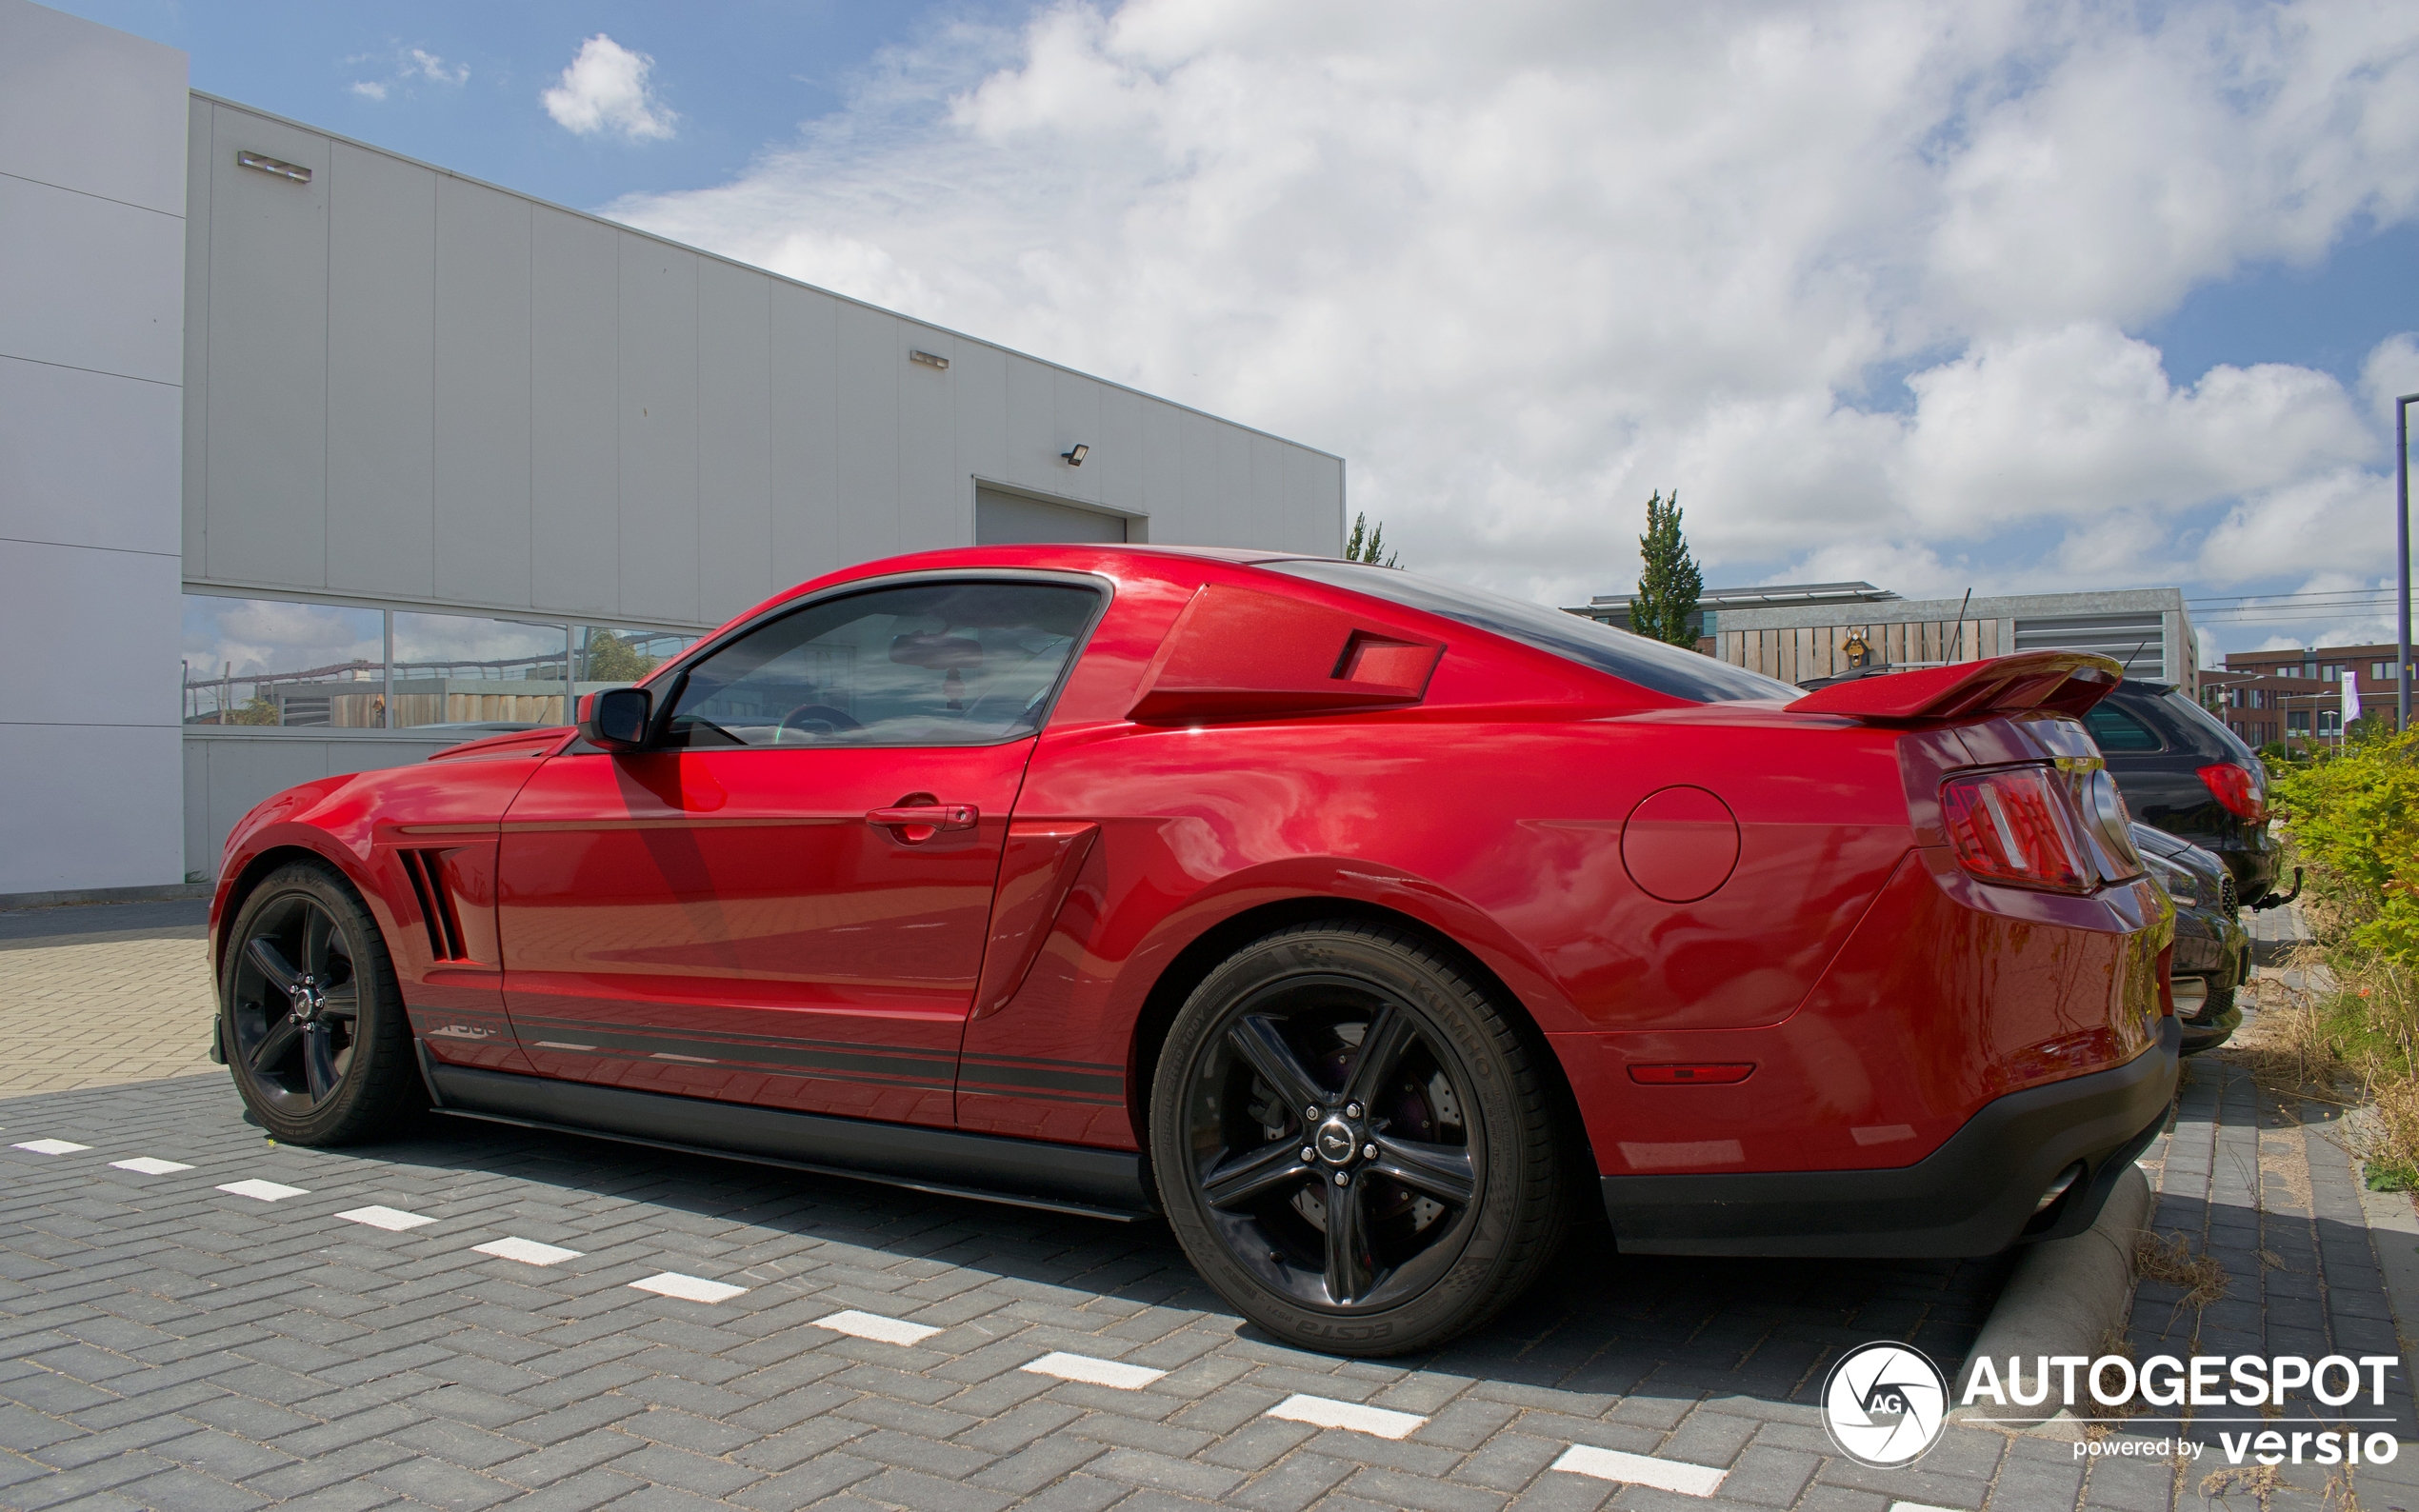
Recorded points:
916,822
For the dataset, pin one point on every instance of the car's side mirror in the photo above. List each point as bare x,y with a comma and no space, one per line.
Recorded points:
616,718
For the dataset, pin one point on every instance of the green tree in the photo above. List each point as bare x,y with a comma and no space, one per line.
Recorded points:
1668,582
611,659
1367,543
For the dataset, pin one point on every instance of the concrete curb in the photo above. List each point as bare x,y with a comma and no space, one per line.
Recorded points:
2063,1297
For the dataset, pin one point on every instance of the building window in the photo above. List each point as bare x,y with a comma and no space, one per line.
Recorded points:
270,663
603,656
291,665
2297,722
454,670
2331,722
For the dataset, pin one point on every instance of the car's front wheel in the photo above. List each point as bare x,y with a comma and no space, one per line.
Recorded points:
310,1017
1354,1144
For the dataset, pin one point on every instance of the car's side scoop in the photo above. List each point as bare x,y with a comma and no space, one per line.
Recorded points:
1240,653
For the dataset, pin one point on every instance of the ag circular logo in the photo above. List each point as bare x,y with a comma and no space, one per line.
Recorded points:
1883,1404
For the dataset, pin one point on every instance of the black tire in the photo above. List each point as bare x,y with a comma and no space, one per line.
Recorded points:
1456,1104
310,1019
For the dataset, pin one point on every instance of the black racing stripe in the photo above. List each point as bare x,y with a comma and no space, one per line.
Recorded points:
807,1057
1097,1084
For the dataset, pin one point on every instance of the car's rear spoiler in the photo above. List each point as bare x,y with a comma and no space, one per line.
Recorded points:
2050,682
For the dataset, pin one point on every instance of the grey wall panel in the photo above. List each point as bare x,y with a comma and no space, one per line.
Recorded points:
978,395
734,438
1234,523
931,484
1119,463
91,109
484,548
382,269
805,485
1314,503
267,375
200,855
105,817
657,440
88,459
574,479
1202,489
1163,482
1268,524
196,426
92,282
867,433
1075,401
1032,420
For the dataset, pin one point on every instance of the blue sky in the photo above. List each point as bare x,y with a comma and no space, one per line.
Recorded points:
1995,319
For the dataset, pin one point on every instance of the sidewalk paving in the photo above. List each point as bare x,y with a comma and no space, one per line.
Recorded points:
103,995
356,1335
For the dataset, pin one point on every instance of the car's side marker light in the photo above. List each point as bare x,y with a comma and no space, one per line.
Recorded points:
1693,1074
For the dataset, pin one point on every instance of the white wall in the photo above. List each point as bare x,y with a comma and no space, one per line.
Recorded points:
406,385
91,292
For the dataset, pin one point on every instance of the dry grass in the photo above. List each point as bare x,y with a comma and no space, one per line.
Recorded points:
2170,1260
2259,1482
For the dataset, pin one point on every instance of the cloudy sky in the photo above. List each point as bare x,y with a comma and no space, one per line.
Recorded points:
1988,295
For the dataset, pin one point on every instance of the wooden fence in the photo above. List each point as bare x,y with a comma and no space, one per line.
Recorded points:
1801,655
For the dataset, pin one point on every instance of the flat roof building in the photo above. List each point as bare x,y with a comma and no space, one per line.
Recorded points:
309,450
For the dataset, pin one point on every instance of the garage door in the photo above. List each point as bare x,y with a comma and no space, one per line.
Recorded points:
1008,519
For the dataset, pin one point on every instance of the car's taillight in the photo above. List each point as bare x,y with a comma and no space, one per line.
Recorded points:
2009,826
2237,789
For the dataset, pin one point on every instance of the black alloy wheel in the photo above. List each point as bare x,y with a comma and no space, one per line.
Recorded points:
1353,1142
311,1023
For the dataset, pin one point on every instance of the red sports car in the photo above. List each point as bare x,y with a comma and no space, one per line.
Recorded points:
1355,922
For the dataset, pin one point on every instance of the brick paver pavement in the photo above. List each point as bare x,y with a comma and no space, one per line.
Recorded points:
172,1345
168,1343
104,995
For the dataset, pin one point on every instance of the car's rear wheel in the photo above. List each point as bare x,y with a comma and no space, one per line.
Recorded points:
1354,1144
310,1019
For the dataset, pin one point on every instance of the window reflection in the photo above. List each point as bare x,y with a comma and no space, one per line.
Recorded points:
604,656
457,671
265,662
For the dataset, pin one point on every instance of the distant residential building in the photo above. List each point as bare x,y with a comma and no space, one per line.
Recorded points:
2297,694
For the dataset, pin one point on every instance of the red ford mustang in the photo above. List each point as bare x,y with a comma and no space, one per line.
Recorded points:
1354,921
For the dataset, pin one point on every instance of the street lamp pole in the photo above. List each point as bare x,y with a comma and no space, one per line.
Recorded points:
2401,559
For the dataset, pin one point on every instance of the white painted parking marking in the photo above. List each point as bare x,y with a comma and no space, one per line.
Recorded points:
150,1166
1638,1469
687,1288
265,1191
1324,1412
52,1146
876,1328
1094,1372
528,1251
393,1220
1918,1507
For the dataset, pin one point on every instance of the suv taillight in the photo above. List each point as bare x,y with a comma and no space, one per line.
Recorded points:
2235,789
2011,826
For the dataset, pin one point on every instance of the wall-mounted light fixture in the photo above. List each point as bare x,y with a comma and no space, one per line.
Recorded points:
930,359
1074,455
269,165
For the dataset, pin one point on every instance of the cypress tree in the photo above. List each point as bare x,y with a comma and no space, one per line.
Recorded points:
1368,544
1668,582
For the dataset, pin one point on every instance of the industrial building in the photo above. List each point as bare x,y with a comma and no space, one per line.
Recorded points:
309,450
1801,632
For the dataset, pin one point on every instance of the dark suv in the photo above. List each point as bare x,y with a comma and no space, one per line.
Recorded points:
2184,772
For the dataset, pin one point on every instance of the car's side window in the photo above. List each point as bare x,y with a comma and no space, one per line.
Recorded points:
927,663
2116,730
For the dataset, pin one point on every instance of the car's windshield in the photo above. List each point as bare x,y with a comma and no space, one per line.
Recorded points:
1631,658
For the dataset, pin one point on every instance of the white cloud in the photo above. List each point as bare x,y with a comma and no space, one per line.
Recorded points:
1523,264
410,66
605,91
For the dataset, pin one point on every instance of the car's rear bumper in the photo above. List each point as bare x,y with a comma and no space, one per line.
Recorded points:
1974,1195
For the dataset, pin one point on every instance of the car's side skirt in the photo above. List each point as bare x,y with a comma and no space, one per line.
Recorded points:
1057,1177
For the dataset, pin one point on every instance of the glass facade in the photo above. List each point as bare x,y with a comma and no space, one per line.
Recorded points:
293,664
